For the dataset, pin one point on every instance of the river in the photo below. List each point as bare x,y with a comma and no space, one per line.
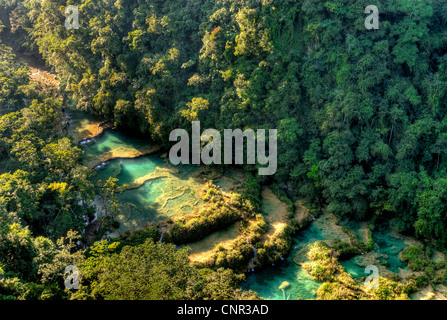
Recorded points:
158,191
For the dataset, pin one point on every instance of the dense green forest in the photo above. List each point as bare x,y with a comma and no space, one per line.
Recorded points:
361,119
360,113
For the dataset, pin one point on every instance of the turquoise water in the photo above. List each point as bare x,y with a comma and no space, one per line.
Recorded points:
82,125
267,281
79,120
386,244
143,199
140,207
161,198
160,195
389,246
111,141
168,195
128,170
353,269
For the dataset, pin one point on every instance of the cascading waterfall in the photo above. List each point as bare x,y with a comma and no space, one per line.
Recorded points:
87,141
251,264
255,252
100,166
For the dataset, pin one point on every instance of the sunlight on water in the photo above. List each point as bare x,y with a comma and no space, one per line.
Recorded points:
157,191
128,170
353,268
82,125
115,144
267,281
112,140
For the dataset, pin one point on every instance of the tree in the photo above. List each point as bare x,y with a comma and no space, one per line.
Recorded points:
61,156
108,195
194,108
155,271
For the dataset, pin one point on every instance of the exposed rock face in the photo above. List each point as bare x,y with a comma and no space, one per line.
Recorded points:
425,294
367,259
275,213
122,153
302,213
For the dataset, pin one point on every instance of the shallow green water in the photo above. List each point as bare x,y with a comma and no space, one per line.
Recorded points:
140,206
267,281
158,198
81,123
128,170
79,118
161,198
153,197
144,208
110,141
353,269
390,246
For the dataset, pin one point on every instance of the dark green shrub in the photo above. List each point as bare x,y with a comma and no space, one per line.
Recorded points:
417,257
115,224
252,191
421,281
140,236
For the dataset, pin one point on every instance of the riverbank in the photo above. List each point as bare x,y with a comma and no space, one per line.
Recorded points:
261,246
157,192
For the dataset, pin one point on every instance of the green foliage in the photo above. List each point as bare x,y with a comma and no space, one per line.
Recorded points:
108,195
237,257
193,109
282,195
431,221
151,271
219,213
360,115
418,257
216,215
61,156
15,85
339,285
345,250
422,281
252,191
323,266
43,181
140,236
